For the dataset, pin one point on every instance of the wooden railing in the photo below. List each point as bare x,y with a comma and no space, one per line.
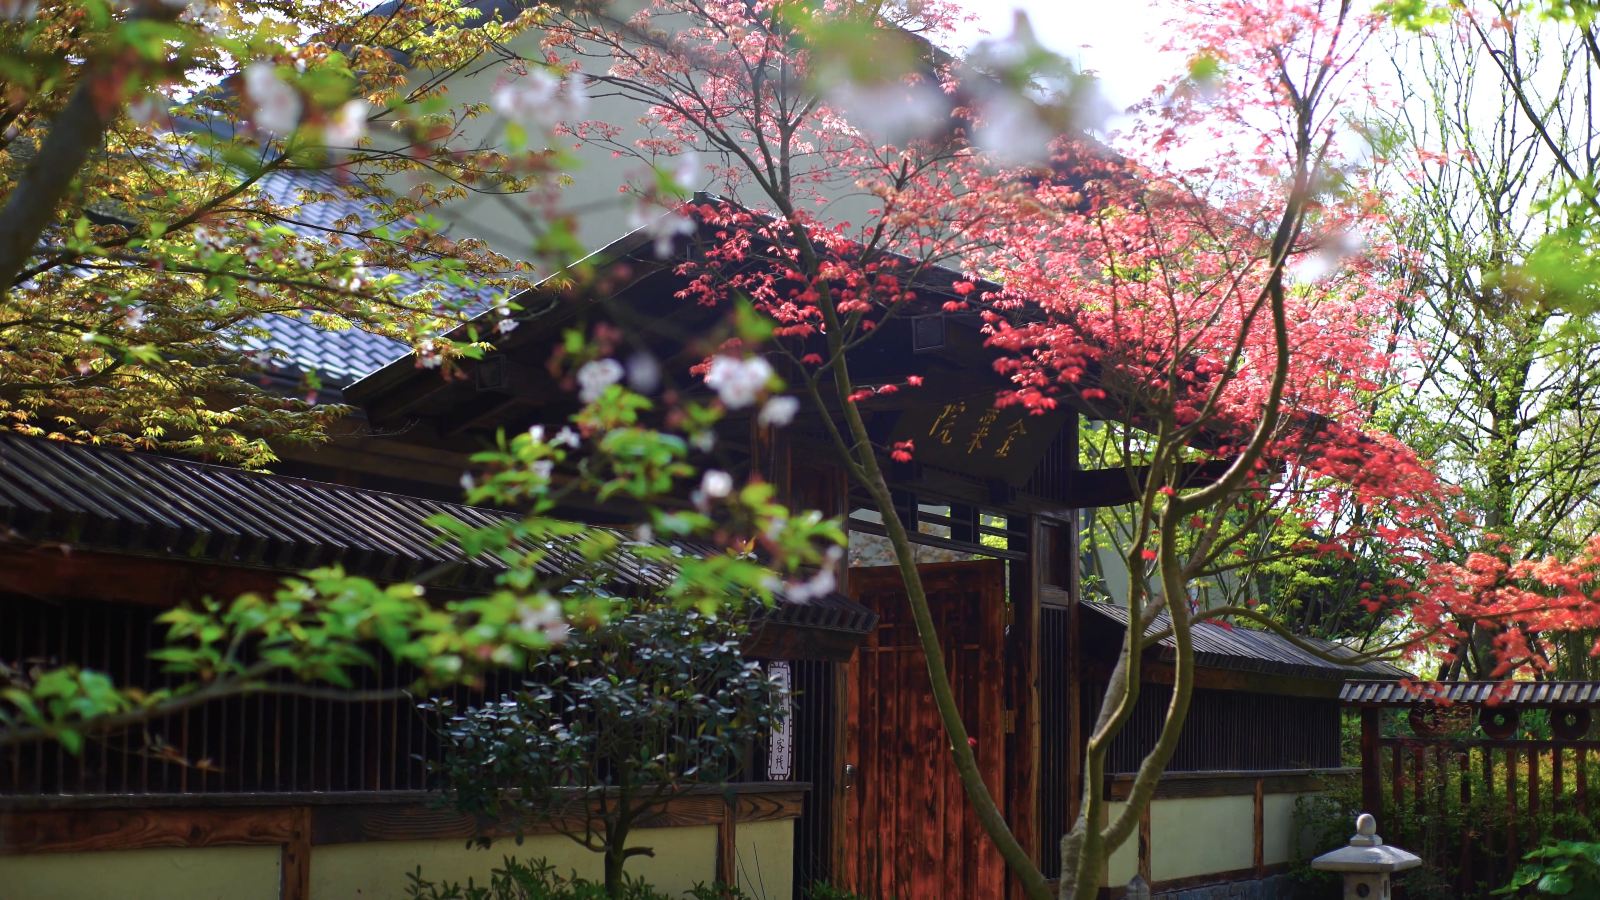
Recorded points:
1470,807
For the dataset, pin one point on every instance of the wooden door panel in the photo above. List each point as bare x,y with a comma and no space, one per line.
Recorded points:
908,829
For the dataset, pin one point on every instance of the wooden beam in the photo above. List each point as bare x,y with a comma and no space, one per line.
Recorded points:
299,825
1022,780
1091,488
1371,776
1145,850
82,831
1185,785
1260,830
1076,672
784,640
424,821
56,571
727,846
294,859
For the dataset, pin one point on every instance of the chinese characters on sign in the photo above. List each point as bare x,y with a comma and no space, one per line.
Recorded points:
979,438
780,750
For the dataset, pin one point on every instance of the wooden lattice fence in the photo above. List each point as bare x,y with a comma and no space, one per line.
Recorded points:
1472,775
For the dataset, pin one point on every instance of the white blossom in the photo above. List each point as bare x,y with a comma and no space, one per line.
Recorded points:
1011,129
716,484
277,103
644,534
778,411
597,375
661,225
565,437
686,171
814,588
893,112
199,11
545,617
428,355
536,434
467,481
536,100
738,382
644,373
506,325
348,126
209,238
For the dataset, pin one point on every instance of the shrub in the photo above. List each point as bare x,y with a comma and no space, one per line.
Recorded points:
1560,869
538,880
612,724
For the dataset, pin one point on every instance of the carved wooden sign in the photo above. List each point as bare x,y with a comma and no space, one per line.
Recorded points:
780,747
976,437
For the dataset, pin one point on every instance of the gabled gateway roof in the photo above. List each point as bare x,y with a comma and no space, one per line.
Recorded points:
156,506
1250,650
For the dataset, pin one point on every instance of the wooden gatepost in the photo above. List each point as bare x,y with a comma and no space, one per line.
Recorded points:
1473,774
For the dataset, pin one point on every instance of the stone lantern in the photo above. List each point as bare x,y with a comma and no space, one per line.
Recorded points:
1367,863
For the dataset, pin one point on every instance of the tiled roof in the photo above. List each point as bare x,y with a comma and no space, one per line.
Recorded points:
148,505
338,357
1471,693
1250,650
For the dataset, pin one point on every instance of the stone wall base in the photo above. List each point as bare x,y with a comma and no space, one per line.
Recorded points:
1274,887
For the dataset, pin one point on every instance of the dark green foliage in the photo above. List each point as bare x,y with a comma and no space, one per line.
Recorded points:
1462,845
1560,869
610,725
822,890
538,880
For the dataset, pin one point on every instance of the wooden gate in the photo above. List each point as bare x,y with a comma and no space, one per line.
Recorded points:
908,831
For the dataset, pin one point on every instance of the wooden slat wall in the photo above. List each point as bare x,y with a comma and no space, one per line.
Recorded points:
298,829
241,745
1226,730
1055,698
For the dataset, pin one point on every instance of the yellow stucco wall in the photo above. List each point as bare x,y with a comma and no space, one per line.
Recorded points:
1201,835
683,856
1278,827
212,873
764,859
1124,861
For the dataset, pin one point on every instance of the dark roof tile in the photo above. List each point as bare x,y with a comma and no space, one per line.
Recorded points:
1251,650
